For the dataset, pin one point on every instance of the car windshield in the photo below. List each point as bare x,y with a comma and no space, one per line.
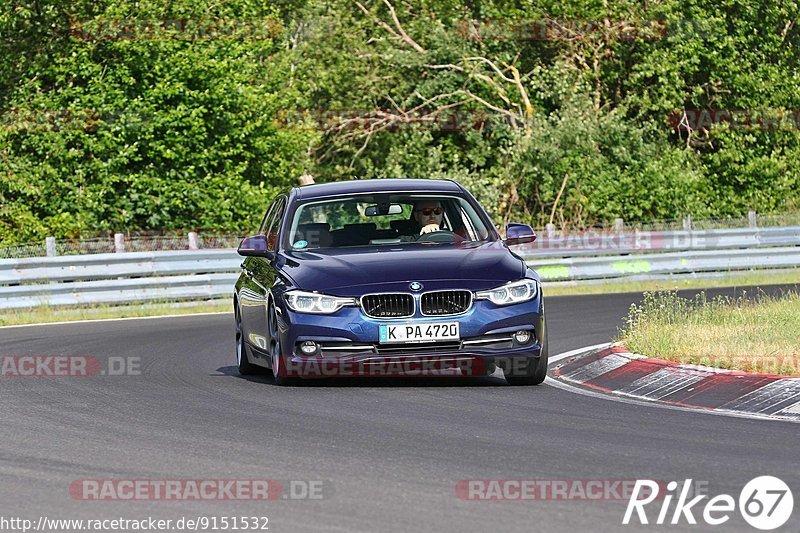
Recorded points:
385,220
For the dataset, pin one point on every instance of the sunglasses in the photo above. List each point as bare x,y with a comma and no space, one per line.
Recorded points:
428,210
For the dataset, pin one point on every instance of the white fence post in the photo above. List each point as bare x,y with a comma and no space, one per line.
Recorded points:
687,223
751,219
193,240
619,225
551,231
119,243
50,246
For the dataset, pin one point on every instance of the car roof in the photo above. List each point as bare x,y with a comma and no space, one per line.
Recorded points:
338,188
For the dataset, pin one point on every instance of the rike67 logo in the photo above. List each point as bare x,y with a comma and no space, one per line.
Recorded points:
765,503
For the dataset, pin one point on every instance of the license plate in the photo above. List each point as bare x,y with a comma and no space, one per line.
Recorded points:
442,331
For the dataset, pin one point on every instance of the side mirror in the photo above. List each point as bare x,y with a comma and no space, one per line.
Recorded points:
519,234
255,246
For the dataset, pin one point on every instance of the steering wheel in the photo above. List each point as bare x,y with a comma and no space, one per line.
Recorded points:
443,235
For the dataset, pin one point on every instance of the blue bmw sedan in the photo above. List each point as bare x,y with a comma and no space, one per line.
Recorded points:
387,277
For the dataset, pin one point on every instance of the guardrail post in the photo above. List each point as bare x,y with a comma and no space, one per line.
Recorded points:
751,219
119,243
619,225
193,240
50,246
687,223
551,231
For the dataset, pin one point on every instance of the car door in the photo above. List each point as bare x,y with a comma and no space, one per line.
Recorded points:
259,276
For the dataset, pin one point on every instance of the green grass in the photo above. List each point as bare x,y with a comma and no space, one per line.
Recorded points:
46,314
753,334
754,279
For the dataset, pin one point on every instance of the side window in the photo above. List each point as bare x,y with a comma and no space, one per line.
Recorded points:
472,234
275,225
262,230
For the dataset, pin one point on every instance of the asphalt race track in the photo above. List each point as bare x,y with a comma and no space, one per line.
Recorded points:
390,452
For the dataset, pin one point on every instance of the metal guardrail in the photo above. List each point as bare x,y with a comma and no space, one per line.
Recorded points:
117,278
208,274
673,263
173,288
104,266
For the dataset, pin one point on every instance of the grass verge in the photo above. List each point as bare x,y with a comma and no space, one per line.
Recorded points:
754,279
46,314
760,334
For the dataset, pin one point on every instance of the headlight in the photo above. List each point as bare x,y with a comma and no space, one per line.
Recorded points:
312,302
511,293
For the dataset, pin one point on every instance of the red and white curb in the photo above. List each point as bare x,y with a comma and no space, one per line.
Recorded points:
612,369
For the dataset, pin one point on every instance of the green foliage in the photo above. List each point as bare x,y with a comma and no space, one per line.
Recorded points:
757,334
598,126
173,133
127,134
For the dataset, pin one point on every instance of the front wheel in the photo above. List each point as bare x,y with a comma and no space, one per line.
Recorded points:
246,368
535,371
279,370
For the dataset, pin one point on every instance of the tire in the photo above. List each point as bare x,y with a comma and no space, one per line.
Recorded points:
279,371
246,368
535,371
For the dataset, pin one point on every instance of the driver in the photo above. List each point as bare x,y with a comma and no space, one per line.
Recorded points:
429,215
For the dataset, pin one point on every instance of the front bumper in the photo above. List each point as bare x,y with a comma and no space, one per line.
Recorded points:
349,346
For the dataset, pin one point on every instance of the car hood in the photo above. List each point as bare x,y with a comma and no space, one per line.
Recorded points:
357,270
